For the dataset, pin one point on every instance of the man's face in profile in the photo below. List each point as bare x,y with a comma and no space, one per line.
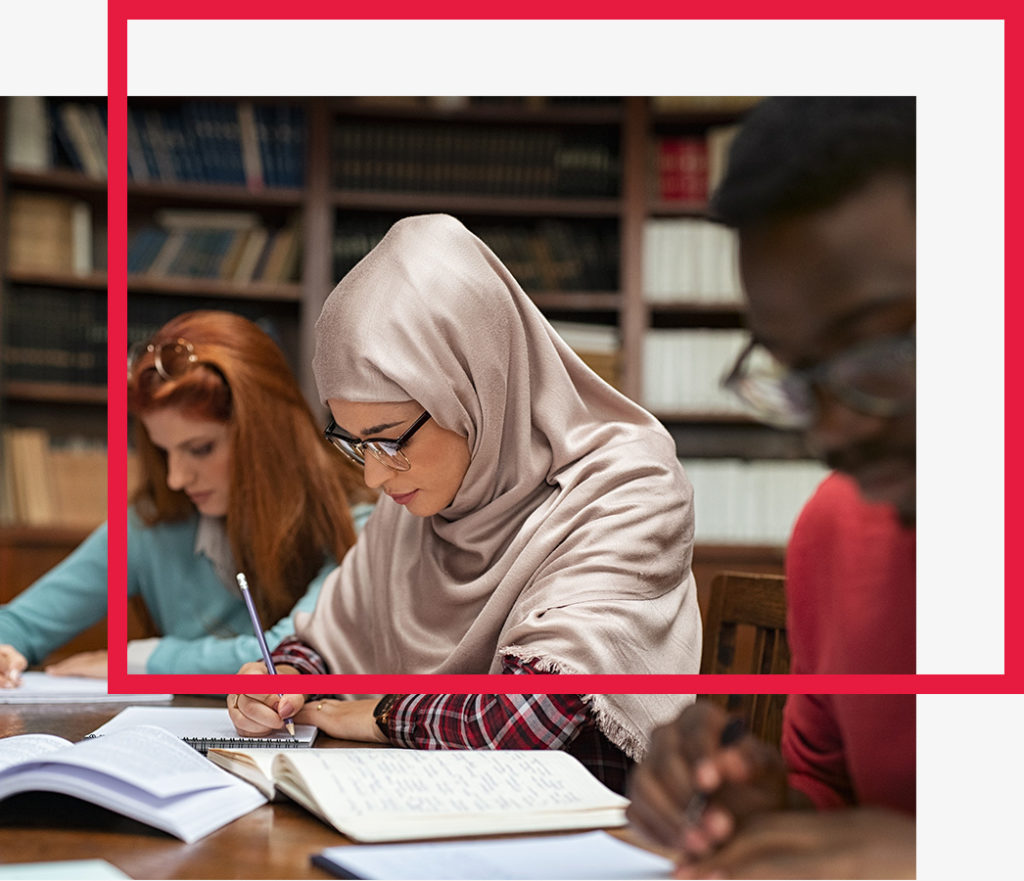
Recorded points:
825,283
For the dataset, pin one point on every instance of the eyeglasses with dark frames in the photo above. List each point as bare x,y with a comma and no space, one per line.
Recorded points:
387,451
877,378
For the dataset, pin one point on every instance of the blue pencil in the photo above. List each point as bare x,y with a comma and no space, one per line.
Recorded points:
258,628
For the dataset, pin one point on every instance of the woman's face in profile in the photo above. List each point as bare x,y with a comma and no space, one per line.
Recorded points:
438,458
198,455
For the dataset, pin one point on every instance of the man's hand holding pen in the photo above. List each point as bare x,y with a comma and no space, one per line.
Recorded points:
704,775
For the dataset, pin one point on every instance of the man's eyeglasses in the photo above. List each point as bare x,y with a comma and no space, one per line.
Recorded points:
171,359
877,378
387,451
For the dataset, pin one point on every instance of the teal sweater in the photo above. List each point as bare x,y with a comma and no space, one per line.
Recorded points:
205,628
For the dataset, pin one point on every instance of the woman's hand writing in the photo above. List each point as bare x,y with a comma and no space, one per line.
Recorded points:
257,715
12,663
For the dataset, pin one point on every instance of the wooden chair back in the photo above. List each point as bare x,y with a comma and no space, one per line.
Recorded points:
745,632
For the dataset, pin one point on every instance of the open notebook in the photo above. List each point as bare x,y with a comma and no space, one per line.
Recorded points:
203,728
399,794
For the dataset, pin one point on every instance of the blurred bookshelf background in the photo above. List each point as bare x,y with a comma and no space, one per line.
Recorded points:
596,204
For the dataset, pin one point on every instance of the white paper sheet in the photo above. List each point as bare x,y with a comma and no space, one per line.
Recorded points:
41,688
592,855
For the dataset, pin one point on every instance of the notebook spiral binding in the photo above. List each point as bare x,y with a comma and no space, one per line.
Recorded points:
202,744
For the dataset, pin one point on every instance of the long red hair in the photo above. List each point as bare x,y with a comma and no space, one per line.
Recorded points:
289,492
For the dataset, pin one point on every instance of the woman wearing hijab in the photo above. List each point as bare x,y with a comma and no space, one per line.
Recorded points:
537,520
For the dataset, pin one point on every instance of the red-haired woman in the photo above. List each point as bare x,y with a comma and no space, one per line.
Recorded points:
235,477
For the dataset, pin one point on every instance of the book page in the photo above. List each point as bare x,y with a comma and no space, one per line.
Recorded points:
465,790
25,747
594,855
252,765
148,758
41,688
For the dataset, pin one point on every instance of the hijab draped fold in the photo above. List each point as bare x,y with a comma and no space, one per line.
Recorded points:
569,541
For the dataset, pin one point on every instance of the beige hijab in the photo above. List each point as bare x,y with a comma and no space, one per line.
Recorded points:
570,538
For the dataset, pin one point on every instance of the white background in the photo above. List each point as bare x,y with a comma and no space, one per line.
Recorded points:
970,765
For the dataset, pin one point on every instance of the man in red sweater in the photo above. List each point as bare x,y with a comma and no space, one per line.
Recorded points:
821,192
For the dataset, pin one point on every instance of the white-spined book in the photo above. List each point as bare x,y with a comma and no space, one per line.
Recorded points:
144,773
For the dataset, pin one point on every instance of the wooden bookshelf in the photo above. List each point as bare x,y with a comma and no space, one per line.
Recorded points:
209,287
56,392
325,202
189,166
213,195
332,198
64,180
94,281
69,405
484,205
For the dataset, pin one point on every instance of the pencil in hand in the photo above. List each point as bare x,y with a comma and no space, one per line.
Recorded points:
243,585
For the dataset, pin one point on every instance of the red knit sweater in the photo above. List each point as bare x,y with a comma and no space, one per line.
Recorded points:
851,592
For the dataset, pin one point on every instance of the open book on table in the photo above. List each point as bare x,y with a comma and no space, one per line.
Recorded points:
398,795
203,728
144,773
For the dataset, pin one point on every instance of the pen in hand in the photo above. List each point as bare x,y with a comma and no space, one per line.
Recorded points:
243,585
731,733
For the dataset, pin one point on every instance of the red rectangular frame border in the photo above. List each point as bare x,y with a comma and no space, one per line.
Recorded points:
121,11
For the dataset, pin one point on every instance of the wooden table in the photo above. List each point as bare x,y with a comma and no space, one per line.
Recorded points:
274,841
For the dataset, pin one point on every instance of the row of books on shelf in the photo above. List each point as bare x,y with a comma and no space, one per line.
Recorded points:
683,369
689,167
230,246
44,484
689,259
55,234
750,502
147,313
484,159
47,133
245,143
55,335
545,255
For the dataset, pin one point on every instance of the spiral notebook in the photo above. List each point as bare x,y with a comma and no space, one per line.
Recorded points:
204,728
